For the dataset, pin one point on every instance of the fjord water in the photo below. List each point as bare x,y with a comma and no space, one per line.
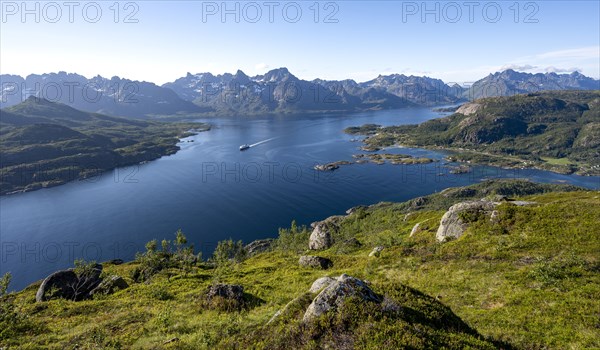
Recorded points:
212,191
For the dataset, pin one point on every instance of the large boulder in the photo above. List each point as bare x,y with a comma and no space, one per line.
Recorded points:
226,291
315,262
454,222
225,297
258,246
322,234
336,293
321,283
110,285
67,284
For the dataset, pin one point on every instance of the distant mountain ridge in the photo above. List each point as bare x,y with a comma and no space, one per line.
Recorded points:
277,91
510,82
115,96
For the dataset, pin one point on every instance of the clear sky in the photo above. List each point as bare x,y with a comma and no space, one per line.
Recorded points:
458,41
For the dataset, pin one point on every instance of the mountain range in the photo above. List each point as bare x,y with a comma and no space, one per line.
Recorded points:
277,91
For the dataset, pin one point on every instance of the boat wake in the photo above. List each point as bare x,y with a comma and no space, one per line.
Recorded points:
263,141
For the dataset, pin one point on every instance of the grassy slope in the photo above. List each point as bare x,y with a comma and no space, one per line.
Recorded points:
555,130
532,280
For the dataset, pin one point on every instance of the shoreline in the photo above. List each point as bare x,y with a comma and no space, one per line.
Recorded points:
167,152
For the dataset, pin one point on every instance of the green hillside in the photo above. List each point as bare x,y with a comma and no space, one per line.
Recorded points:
46,144
526,279
555,130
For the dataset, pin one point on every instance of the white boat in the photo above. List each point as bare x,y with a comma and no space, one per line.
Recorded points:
244,147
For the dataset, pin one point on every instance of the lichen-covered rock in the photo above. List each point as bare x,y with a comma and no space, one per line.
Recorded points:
315,262
227,291
356,209
258,246
66,284
322,234
469,108
321,283
336,293
226,297
110,285
415,229
453,224
376,251
294,308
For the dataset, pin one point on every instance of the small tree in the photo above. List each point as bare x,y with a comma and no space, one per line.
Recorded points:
180,239
4,282
228,252
151,246
166,246
176,254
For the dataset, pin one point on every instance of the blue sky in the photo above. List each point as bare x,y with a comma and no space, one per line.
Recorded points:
365,38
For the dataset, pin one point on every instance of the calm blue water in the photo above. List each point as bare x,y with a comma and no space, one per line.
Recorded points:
212,191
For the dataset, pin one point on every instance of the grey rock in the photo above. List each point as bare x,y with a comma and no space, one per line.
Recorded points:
415,229
299,303
226,291
495,216
321,283
321,236
376,251
258,246
451,224
316,262
418,203
110,285
336,293
66,284
522,203
355,209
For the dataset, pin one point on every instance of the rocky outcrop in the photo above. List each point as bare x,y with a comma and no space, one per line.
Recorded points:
258,246
356,209
468,108
454,223
322,234
376,251
321,283
296,306
225,297
110,285
334,295
114,262
331,166
415,229
67,284
226,291
315,262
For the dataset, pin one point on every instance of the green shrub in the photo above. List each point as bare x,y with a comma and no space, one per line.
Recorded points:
175,254
293,239
228,252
